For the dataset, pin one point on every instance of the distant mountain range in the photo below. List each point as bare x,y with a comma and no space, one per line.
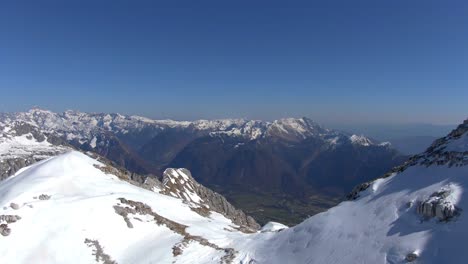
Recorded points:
79,207
283,170
409,138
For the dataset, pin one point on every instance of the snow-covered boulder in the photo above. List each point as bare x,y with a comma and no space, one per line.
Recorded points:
273,227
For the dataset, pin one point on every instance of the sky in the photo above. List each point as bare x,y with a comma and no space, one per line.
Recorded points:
333,61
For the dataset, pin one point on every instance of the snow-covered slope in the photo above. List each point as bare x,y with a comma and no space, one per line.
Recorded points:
67,210
415,214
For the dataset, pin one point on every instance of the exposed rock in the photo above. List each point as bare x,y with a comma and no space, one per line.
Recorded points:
436,155
438,206
14,206
354,194
5,230
10,166
180,183
411,257
98,252
24,155
10,218
144,209
44,197
124,211
148,182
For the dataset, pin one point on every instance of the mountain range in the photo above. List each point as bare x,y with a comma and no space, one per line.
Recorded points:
80,207
285,170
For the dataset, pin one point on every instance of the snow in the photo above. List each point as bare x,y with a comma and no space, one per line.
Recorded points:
458,145
273,227
12,146
93,142
380,227
75,125
185,189
360,140
81,207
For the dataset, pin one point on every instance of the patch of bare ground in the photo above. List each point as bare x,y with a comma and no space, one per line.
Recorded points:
98,252
140,208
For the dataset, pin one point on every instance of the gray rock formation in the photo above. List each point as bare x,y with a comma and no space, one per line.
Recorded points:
438,206
44,197
148,182
180,183
411,257
5,230
19,156
14,206
9,218
10,166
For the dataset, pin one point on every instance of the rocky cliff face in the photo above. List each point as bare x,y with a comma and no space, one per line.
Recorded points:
180,183
22,144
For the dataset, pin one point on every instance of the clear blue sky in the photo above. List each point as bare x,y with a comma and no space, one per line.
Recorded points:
339,61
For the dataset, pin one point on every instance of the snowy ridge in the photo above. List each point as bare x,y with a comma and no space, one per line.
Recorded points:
67,203
82,127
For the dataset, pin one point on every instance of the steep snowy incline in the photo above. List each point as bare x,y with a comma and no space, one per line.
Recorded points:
415,214
67,210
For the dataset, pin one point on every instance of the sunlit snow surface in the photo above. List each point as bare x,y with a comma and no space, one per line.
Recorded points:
381,227
81,207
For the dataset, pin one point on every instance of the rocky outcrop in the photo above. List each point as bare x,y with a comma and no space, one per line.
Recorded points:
98,252
5,230
9,218
438,154
24,144
129,207
180,183
438,206
148,182
411,257
10,166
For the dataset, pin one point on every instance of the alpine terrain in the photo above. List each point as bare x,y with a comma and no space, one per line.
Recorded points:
285,170
80,208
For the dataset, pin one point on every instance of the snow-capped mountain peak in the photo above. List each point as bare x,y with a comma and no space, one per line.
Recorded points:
361,140
82,127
